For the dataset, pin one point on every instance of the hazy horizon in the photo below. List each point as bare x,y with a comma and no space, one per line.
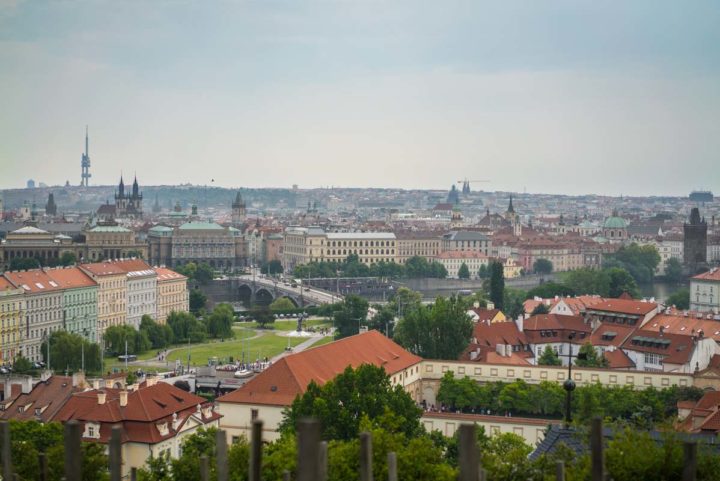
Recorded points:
555,97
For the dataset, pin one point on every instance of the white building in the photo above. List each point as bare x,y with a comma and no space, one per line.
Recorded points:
453,260
705,291
141,290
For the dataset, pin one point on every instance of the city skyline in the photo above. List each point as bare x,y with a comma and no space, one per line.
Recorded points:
560,98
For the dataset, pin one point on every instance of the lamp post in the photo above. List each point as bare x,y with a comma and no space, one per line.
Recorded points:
569,384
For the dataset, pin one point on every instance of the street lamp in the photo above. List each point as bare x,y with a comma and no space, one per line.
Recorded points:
569,384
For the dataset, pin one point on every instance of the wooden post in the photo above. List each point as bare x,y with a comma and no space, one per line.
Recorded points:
256,450
560,471
73,458
42,463
596,450
689,472
286,475
392,467
468,452
133,474
115,454
308,441
204,468
322,461
482,476
366,473
6,453
221,455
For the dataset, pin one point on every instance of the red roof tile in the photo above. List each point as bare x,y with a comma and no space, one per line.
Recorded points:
711,275
624,306
71,278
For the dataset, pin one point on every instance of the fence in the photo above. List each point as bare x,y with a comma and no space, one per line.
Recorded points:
312,459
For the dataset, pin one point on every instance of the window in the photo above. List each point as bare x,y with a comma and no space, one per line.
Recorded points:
253,414
652,358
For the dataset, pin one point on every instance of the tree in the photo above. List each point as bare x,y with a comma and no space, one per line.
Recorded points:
282,304
67,350
484,272
549,357
219,323
639,261
548,290
263,316
540,309
198,300
680,299
116,337
674,270
273,267
186,326
341,404
440,331
463,271
68,259
204,273
587,281
497,284
513,303
542,266
621,281
348,319
23,264
159,335
21,365
589,357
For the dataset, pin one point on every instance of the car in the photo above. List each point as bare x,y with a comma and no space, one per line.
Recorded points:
4,370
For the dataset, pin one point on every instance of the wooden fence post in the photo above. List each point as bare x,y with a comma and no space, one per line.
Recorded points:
73,455
115,454
221,455
689,472
469,458
560,471
133,474
596,450
6,453
322,461
392,467
366,473
204,468
308,441
42,463
256,450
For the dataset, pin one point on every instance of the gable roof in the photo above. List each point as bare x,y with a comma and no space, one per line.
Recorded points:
34,281
506,333
711,275
71,278
48,396
623,306
279,384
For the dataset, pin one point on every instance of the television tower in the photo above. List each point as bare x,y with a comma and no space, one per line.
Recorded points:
85,164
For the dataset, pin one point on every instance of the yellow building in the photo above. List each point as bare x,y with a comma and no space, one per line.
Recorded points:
426,244
12,310
112,294
172,293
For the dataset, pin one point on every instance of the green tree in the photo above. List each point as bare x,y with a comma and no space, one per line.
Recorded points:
484,272
513,302
463,271
350,316
674,270
589,357
680,299
263,316
548,290
639,261
341,404
204,273
198,300
497,284
67,349
159,335
549,357
219,323
621,281
440,331
116,336
282,304
542,266
587,281
273,267
23,264
540,309
68,259
21,365
186,326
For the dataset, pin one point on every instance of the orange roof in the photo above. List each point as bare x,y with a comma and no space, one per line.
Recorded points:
540,322
35,281
71,278
5,285
498,333
711,275
287,378
133,265
102,269
48,396
678,350
617,359
624,306
611,334
165,274
685,326
513,359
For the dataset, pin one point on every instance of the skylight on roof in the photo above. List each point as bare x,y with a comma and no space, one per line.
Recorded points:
26,287
39,286
53,283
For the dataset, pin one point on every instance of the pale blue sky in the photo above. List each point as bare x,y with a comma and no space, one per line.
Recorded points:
552,96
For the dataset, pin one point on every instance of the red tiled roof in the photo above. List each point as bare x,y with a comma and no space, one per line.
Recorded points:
49,396
287,378
677,323
5,285
485,315
617,359
498,333
541,322
678,351
102,269
711,275
600,336
71,277
35,281
624,306
165,274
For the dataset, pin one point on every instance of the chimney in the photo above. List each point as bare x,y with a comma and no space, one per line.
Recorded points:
123,398
476,305
101,397
96,384
662,330
490,305
78,379
150,381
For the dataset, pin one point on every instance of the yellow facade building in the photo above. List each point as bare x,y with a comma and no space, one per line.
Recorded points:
112,294
172,293
12,310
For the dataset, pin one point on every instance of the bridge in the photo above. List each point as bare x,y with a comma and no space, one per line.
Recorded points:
263,290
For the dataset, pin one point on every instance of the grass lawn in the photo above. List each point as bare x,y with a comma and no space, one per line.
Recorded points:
287,324
268,344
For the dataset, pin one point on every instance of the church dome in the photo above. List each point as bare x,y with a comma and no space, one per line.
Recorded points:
615,222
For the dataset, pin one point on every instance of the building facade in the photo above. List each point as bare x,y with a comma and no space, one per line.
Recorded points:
112,242
12,317
695,240
453,261
112,294
425,244
172,293
466,241
79,306
198,242
705,291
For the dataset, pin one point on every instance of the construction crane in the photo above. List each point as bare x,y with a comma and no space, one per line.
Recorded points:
466,184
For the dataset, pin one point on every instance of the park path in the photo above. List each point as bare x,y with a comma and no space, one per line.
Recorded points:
300,347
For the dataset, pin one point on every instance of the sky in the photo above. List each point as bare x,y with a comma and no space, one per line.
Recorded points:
612,97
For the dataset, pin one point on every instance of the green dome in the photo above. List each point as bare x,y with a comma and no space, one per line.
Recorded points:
615,223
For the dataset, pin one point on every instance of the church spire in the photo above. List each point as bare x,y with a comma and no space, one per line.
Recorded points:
511,209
